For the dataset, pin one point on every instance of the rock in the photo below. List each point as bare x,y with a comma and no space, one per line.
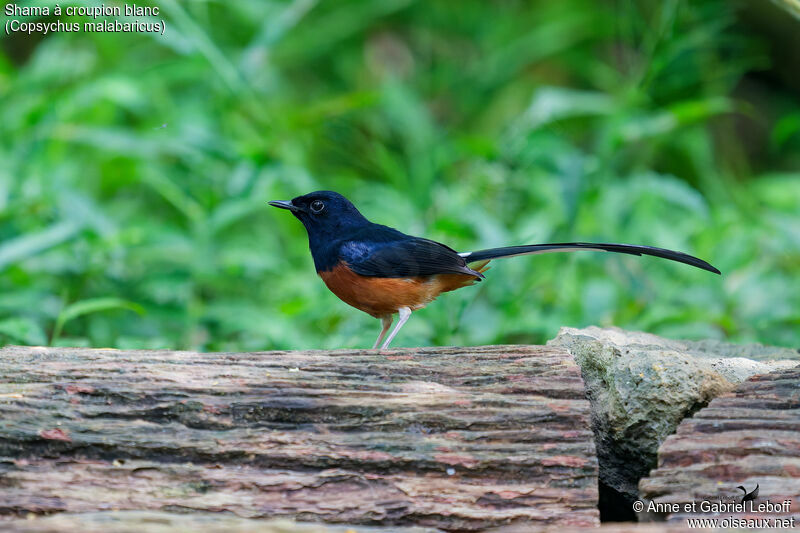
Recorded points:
447,438
757,352
749,437
641,387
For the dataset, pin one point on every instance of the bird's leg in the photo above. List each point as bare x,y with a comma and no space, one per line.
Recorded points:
386,321
404,313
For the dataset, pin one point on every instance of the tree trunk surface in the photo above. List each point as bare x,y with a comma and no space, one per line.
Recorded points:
446,438
172,522
748,437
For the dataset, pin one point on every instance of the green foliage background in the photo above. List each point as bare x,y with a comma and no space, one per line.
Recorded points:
136,169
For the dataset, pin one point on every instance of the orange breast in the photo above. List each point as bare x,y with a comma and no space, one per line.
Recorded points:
383,296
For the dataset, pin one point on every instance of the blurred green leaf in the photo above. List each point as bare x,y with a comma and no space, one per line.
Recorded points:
24,246
23,330
93,305
555,103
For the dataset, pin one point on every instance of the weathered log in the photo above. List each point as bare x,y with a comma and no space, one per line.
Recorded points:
446,438
748,437
171,522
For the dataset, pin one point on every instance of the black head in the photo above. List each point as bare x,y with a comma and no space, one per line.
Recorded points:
325,214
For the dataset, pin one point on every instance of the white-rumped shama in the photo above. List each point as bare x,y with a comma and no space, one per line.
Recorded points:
382,271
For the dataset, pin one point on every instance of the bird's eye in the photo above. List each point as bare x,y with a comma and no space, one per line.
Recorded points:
317,206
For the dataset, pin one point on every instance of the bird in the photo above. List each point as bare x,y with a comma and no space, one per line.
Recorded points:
382,271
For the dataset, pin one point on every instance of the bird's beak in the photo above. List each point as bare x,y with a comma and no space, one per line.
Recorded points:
283,204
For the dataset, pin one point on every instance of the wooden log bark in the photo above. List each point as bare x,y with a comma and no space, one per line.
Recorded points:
748,437
455,439
172,522
175,522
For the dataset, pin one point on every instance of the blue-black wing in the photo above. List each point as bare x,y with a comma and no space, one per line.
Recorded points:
404,257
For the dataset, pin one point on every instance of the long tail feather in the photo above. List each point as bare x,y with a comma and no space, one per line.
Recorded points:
632,249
